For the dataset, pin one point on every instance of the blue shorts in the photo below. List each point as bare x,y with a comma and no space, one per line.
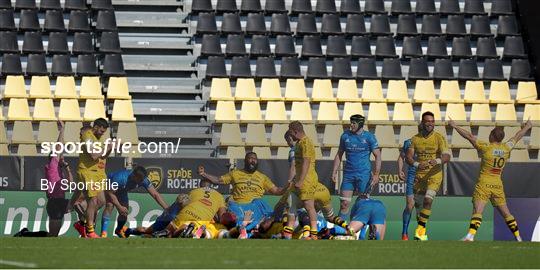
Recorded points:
122,197
260,208
355,181
161,222
409,184
369,212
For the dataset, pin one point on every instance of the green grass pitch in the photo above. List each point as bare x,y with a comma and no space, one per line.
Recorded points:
190,253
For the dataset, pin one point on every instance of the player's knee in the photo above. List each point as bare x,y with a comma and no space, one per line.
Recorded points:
344,204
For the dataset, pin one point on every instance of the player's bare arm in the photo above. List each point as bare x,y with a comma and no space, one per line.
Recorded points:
377,169
212,178
157,197
400,163
522,131
335,168
410,160
464,133
114,200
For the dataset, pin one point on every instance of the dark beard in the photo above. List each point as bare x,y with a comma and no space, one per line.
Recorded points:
251,168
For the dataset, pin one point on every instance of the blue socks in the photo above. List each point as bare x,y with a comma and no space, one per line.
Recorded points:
104,223
406,221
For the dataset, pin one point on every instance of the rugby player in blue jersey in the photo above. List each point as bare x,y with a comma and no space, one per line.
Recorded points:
409,182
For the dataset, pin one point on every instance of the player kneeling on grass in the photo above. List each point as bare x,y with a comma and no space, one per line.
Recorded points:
371,212
127,180
489,186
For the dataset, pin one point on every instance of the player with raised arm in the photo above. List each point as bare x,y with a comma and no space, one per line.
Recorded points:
489,186
427,153
357,144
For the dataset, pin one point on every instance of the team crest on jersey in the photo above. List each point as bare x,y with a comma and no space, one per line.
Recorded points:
155,174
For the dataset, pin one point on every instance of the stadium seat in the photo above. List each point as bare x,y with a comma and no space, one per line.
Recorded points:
79,21
378,114
456,111
499,92
372,91
22,132
90,88
389,154
94,109
26,150
328,113
3,133
113,65
275,112
295,90
280,24
109,42
325,6
216,67
385,136
301,6
468,155
322,91
406,24
311,132
407,132
493,70
355,25
210,45
225,112
7,19
380,24
509,132
513,47
526,93
230,135
255,6
69,110
501,7
534,141
458,141
9,42
330,24
418,69
75,5
251,112
206,23
480,114
350,7
285,46
455,25
15,87
486,48
474,7
520,70
449,92
397,91
335,46
449,7
265,68
36,65
117,88
245,90
82,44
443,70
367,69
374,7
403,114
262,152
483,133
332,135
347,91
226,6
270,90
480,26
122,110
301,111
282,152
468,69
461,47
61,65
311,46
256,135
102,5
65,87
431,25
127,132
236,45
235,152
240,67
411,47
507,26
202,6
18,110
54,21
424,91
47,131
437,47
28,20
106,21
306,25
474,92
260,46
532,112
316,68
11,65
519,155
277,135
385,47
432,107
351,108
44,110
290,68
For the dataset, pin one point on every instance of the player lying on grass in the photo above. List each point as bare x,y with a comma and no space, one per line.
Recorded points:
248,187
127,180
371,212
489,186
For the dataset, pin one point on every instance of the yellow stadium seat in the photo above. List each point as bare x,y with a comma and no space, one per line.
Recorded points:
65,87
122,110
456,112
1,111
72,131
282,153
474,92
127,132
332,135
245,89
403,114
468,155
225,112
69,110
318,153
432,107
509,132
441,130
333,153
458,141
322,91
220,89
15,87
519,155
94,109
347,91
351,108
270,90
4,151
406,133
389,154
27,150
378,113
311,132
328,113
277,134
3,133
480,115
132,152
526,93
90,88
534,141
44,110
118,88
499,92
40,87
22,132
385,136
18,110
483,133
230,135
262,152
424,91
532,112
275,112
449,92
301,111
256,135
235,152
295,90
47,131
505,115
372,91
251,112
397,92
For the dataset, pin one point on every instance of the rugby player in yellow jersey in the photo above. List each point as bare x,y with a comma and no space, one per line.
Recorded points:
248,187
489,186
427,153
306,179
91,168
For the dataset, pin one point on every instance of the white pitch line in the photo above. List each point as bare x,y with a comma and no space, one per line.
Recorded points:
18,264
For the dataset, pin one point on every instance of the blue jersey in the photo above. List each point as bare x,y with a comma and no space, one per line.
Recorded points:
358,148
166,217
368,211
124,183
291,154
411,172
